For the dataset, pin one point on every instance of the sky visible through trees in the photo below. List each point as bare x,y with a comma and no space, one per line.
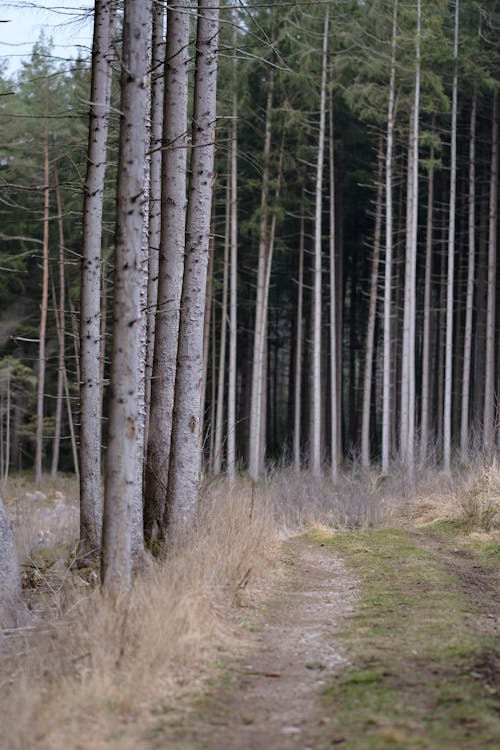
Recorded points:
275,244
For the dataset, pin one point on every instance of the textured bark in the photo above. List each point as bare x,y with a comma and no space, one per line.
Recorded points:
154,219
43,310
315,438
13,612
297,410
489,384
469,303
372,314
256,417
171,269
185,463
334,396
426,333
386,407
90,291
233,279
59,311
448,377
125,407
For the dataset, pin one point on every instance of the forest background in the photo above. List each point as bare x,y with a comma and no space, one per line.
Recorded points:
351,314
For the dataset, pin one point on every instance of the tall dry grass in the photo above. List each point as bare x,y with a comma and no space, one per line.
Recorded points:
89,676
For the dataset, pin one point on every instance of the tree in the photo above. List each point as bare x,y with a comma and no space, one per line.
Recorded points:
12,609
125,407
185,463
90,291
171,269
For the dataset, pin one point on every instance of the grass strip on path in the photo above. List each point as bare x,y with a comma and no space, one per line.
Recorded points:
424,669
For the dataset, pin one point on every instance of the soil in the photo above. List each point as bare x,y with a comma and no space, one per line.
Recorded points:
269,698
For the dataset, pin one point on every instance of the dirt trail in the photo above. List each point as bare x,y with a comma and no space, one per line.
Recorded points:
269,698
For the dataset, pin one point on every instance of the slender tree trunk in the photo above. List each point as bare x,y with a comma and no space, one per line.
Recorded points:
157,95
489,385
219,425
171,268
372,315
386,410
448,379
315,440
185,463
334,396
299,345
256,417
125,408
43,309
62,333
426,333
233,281
90,291
469,303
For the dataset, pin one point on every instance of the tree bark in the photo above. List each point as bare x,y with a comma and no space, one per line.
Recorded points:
125,407
489,385
315,438
43,309
13,611
386,409
61,334
185,463
171,269
372,315
90,290
469,303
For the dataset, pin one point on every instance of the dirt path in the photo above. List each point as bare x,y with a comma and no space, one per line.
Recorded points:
269,698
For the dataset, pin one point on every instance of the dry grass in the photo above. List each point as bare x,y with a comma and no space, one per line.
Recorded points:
84,679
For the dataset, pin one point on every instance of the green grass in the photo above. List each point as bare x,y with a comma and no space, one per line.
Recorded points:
422,673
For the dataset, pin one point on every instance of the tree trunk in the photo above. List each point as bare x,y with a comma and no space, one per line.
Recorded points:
125,408
448,378
315,439
171,268
185,463
233,281
372,315
334,396
13,612
469,303
426,333
61,333
489,385
223,329
90,291
157,95
297,411
256,417
386,409
43,310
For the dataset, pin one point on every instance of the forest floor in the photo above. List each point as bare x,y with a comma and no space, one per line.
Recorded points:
372,639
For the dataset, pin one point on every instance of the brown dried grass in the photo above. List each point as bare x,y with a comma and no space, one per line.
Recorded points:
91,677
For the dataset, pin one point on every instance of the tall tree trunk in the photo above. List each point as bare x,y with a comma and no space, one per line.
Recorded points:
426,332
297,410
315,439
448,379
157,95
233,279
386,409
223,330
171,268
43,308
61,333
372,314
256,417
12,609
125,407
489,385
469,303
334,395
90,290
185,463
